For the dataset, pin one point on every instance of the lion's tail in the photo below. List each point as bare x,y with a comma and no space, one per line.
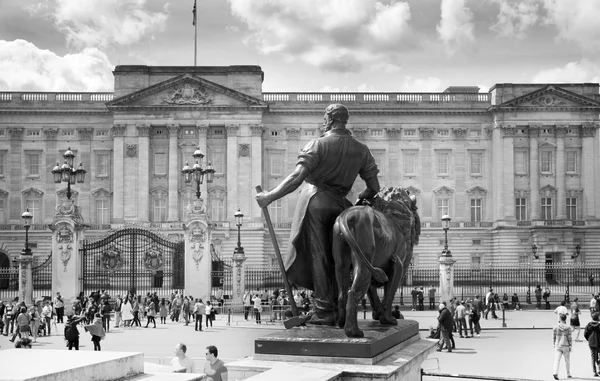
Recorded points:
376,272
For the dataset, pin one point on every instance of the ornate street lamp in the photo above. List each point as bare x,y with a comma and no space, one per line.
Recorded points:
446,225
67,173
197,173
238,222
577,252
26,217
534,250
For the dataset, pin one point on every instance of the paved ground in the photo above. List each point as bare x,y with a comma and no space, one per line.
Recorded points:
522,350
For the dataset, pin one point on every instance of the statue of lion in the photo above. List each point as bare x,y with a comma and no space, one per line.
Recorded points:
380,241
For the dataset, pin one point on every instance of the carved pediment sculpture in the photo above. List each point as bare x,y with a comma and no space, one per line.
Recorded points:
187,95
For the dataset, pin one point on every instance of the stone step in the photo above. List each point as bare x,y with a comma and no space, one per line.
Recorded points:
154,371
297,373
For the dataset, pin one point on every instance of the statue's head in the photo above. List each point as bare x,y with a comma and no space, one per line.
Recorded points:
335,113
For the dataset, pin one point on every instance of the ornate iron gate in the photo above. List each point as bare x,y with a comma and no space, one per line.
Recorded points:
133,259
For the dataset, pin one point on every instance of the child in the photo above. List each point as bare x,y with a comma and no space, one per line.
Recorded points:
96,330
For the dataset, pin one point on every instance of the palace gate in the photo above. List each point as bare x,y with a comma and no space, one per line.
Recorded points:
133,259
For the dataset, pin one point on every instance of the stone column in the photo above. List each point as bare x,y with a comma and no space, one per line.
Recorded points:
51,159
25,278
174,174
509,173
497,168
198,262
534,172
119,180
16,174
257,167
232,180
143,172
589,171
561,185
446,278
202,134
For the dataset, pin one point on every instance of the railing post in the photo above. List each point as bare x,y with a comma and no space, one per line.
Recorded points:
229,316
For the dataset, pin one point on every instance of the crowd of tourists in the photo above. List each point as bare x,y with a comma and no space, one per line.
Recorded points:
277,303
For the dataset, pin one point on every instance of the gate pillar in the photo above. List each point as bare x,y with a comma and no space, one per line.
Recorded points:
67,233
446,278
239,278
198,262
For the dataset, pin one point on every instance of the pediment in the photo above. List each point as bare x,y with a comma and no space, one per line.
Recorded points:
32,192
547,189
159,192
3,193
476,190
186,91
550,97
101,192
63,192
443,190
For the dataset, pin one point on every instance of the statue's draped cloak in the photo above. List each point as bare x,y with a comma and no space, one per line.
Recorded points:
333,160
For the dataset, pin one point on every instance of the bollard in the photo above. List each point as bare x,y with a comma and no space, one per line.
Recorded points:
503,318
365,313
229,316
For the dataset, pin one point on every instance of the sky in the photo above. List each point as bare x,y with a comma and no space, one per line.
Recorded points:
304,45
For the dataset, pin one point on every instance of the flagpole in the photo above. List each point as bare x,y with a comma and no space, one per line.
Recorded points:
195,33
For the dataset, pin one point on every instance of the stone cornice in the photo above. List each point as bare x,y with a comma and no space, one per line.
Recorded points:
588,130
561,130
534,130
50,133
119,130
508,131
143,130
85,133
15,133
386,112
359,132
51,111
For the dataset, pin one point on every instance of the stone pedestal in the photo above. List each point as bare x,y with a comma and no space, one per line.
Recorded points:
198,261
239,278
25,278
446,278
67,232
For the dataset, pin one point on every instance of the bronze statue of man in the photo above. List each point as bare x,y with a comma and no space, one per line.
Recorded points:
329,165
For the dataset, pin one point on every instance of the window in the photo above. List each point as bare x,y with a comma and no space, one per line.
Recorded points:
521,162
217,159
33,132
275,133
476,242
276,211
476,207
189,131
521,208
571,208
546,161
410,132
34,209
160,163
102,216
410,163
443,163
443,206
546,208
102,164
379,160
68,132
443,133
32,164
160,132
571,162
309,132
2,163
101,132
217,209
475,260
2,132
476,164
376,133
219,131
159,210
276,160
524,257
475,133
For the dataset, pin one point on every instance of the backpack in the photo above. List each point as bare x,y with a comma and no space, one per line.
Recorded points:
71,333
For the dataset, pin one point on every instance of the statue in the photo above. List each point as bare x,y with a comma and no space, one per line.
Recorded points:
364,237
329,165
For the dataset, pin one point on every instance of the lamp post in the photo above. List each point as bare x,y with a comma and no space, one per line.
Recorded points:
238,222
197,173
239,257
67,173
26,217
25,259
446,225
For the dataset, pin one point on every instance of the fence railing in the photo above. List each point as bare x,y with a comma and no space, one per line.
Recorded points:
41,270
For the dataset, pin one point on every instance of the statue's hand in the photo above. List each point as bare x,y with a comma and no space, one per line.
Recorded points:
263,199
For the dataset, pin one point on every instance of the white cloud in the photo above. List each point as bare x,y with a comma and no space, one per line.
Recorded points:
516,17
336,35
576,21
93,23
456,25
25,67
422,85
573,72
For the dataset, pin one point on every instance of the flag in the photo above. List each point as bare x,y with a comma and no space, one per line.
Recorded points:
194,13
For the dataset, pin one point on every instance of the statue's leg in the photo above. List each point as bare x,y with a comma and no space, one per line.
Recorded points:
342,261
362,279
390,289
376,306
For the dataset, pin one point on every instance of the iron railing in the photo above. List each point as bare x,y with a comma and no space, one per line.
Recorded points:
41,270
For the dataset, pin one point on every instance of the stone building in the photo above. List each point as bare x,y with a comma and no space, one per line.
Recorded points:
515,167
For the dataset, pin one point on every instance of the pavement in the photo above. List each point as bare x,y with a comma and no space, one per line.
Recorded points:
522,349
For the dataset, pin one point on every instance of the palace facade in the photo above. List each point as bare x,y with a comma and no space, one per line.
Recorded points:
516,167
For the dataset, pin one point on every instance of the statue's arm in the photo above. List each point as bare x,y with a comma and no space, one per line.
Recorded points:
371,189
287,186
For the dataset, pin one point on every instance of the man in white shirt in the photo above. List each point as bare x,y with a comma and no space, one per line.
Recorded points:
181,360
561,310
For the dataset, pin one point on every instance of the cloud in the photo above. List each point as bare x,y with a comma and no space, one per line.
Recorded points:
576,21
43,70
422,85
516,17
456,25
573,72
335,35
92,23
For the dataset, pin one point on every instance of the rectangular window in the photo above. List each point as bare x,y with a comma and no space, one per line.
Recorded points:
101,132
160,211
2,164
276,161
524,257
2,211
68,132
546,161
217,208
34,209
443,206
275,133
33,132
475,133
443,163
376,133
521,208
546,208
571,208
189,131
379,160
160,163
309,132
476,164
102,212
410,163
521,162
33,164
571,162
217,158
476,208
276,211
443,133
475,261
102,164
2,132
409,132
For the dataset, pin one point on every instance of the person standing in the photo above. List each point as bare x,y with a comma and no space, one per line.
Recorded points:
164,311
432,298
461,320
97,331
106,315
257,308
413,295
562,345
59,306
47,316
538,297
136,311
71,331
575,323
151,314
247,299
208,312
421,298
127,312
199,309
546,297
561,310
181,360
592,335
118,305
214,368
445,320
185,310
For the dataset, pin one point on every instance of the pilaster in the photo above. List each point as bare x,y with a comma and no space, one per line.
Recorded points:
534,173
497,168
143,172
257,167
173,196
118,131
15,135
509,173
590,171
561,185
232,181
